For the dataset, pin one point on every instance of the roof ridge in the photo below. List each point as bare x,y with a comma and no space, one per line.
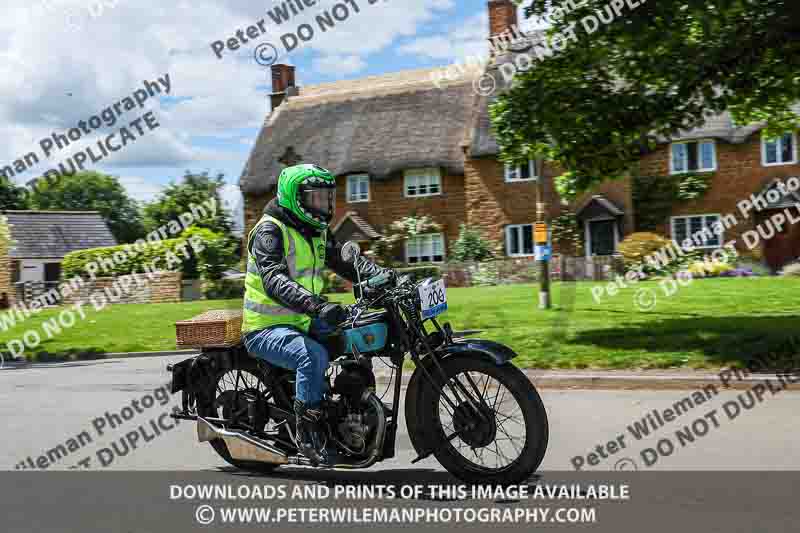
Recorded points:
373,83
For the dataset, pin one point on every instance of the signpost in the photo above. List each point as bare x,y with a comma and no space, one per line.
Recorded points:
540,240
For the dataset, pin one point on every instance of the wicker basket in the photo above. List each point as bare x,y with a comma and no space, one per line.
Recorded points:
212,329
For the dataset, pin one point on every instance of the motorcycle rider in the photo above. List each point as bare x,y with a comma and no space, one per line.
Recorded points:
284,314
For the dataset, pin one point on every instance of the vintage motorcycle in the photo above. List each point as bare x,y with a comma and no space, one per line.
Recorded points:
465,403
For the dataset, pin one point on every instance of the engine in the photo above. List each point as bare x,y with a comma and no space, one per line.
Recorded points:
352,381
353,432
354,424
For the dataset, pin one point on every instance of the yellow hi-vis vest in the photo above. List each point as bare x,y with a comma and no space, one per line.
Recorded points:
306,262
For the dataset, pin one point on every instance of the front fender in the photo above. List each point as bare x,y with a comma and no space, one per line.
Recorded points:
494,351
498,353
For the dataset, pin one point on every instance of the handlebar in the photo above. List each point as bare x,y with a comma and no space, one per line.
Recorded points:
377,281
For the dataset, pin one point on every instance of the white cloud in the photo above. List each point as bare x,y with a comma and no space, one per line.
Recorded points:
140,188
60,64
335,65
460,42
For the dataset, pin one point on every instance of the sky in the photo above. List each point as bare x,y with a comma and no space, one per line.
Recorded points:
64,61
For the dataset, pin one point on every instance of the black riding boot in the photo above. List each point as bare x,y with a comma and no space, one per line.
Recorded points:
310,433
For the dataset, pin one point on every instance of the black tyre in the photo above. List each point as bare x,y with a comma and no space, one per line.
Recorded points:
489,453
246,378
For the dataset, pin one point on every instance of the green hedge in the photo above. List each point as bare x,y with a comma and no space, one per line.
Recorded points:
224,289
130,258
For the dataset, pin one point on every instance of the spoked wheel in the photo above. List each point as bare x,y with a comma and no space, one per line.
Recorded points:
233,388
493,430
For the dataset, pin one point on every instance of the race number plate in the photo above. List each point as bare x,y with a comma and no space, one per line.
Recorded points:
433,299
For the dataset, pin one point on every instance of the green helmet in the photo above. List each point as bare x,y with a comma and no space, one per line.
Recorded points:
309,193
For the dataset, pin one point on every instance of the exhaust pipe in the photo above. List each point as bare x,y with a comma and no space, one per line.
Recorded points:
241,446
244,447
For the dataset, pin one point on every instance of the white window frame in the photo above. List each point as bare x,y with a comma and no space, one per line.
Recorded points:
587,233
779,140
687,222
516,170
430,175
521,239
357,179
430,237
672,169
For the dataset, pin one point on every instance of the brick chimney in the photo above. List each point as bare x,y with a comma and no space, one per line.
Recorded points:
282,84
502,17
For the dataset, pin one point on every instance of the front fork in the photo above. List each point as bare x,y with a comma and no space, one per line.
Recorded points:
446,332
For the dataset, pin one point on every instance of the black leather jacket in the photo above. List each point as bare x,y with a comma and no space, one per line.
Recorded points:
267,248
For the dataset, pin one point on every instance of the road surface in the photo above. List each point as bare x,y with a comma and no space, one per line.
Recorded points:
57,416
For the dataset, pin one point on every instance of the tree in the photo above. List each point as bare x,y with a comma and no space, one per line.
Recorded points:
472,246
178,198
11,196
92,191
600,102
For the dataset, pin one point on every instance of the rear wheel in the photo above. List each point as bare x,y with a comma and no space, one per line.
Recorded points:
233,388
503,446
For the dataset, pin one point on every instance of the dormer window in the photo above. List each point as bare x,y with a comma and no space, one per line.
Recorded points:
357,188
693,156
422,182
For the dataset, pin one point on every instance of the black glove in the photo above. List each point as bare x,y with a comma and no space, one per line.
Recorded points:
333,314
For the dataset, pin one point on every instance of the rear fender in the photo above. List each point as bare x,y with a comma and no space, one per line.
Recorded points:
198,370
499,354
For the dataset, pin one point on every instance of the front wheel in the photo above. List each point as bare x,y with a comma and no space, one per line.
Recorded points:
504,443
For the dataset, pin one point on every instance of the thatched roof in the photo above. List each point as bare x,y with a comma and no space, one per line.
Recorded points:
378,125
384,124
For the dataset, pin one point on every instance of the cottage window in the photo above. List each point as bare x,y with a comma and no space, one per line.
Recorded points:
423,182
425,249
519,240
515,173
780,151
358,188
695,156
699,228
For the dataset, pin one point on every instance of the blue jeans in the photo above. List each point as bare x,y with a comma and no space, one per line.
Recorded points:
289,348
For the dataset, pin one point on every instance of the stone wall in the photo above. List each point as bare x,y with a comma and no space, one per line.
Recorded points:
526,270
388,204
6,290
492,203
164,287
480,198
740,173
